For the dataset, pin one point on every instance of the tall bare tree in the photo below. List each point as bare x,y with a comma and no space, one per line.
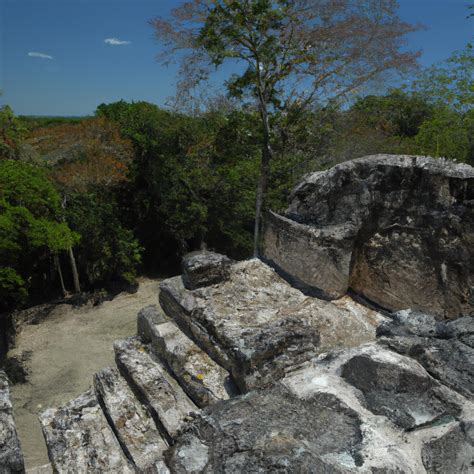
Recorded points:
284,53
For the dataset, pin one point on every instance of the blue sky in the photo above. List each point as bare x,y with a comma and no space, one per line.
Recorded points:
85,71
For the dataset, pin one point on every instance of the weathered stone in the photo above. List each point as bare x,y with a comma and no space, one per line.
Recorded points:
202,379
410,323
313,259
462,329
444,349
257,326
11,457
449,361
398,230
451,452
399,388
146,318
273,431
79,438
134,428
165,399
204,268
384,447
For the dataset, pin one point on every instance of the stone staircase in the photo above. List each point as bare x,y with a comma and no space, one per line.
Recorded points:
178,364
137,409
241,372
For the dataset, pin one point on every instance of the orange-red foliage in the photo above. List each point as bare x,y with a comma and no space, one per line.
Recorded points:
85,154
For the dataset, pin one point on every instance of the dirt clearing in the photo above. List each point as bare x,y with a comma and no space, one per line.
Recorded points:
66,349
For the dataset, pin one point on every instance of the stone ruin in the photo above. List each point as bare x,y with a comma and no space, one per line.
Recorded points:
348,348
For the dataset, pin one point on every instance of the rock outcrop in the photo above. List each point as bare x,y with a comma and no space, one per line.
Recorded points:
11,457
437,454
252,375
274,430
240,371
314,421
398,230
399,388
160,392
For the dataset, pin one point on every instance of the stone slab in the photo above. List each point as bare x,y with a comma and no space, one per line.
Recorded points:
133,426
160,392
202,379
80,440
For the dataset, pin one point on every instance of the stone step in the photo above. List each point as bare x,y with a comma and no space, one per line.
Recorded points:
133,426
258,327
170,407
11,456
80,440
202,379
44,469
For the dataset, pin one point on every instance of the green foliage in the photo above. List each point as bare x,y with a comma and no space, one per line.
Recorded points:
285,54
192,180
448,134
449,86
25,185
451,83
30,228
107,252
395,114
12,287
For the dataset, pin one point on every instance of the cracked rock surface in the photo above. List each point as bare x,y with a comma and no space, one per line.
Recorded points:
451,452
204,380
315,420
271,430
399,388
134,428
159,391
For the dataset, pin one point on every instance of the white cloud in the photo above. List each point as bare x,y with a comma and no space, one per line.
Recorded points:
34,54
115,41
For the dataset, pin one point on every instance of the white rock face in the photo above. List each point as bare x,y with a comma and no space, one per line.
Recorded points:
316,420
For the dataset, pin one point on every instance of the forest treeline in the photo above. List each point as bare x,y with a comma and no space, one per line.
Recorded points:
89,203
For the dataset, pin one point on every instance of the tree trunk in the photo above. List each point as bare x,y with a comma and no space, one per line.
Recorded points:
261,191
267,154
75,274
57,263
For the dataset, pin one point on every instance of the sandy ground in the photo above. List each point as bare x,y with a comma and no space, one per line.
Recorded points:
67,348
